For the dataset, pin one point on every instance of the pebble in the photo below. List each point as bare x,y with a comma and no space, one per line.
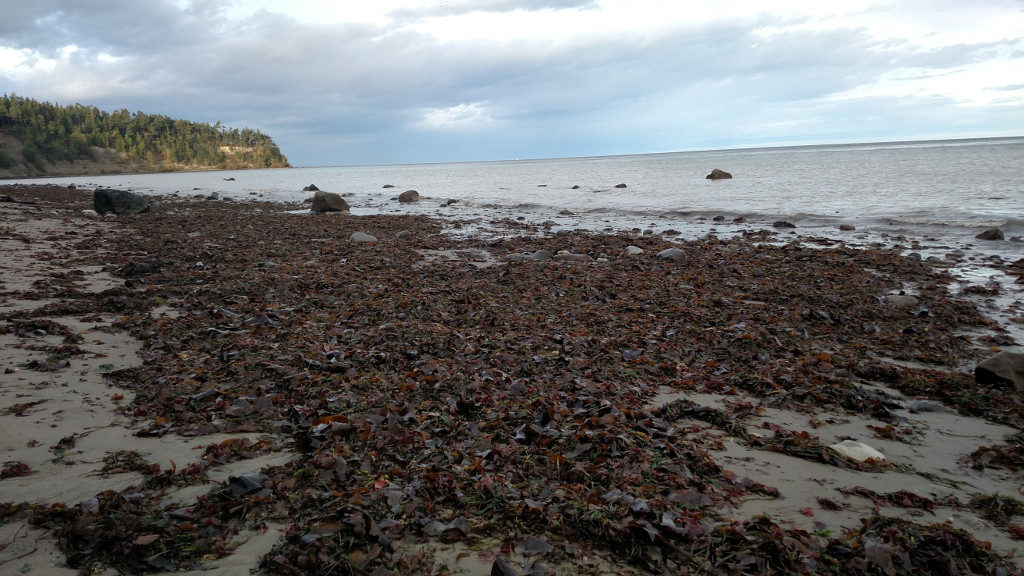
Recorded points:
363,237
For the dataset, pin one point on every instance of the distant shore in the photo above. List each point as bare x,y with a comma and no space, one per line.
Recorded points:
419,402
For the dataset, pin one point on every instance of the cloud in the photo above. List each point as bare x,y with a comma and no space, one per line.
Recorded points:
460,117
407,81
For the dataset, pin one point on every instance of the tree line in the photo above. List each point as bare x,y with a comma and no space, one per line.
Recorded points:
55,133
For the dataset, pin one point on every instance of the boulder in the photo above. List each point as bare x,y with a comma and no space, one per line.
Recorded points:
783,224
403,234
389,186
673,254
310,188
634,250
328,202
540,255
717,174
620,185
362,237
991,234
1003,369
571,257
847,227
576,187
109,201
409,196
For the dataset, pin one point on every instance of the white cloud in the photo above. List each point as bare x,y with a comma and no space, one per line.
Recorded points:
461,117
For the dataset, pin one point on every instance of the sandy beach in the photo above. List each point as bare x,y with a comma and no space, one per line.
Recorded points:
219,387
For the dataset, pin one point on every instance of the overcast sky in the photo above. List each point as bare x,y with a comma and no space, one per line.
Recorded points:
396,81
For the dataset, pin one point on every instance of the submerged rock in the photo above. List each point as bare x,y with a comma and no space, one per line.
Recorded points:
1003,369
328,202
409,196
717,174
783,224
847,227
110,201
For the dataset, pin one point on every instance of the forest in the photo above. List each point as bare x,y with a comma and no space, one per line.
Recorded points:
53,133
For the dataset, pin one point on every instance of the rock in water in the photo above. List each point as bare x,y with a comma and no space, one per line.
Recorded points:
991,234
310,188
857,451
783,224
717,174
409,196
328,202
109,201
1003,369
363,237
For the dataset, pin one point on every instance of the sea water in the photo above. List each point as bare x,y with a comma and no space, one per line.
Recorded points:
957,187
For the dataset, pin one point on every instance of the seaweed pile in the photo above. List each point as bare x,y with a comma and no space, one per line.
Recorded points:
505,407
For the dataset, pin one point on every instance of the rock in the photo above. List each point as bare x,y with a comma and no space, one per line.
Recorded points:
229,179
719,218
566,213
540,255
328,202
409,196
783,224
516,257
450,201
673,254
1003,369
717,174
310,188
857,451
109,201
569,257
403,234
847,227
914,256
501,568
901,300
671,232
634,250
389,186
738,220
921,406
6,198
362,237
576,187
89,213
991,234
620,185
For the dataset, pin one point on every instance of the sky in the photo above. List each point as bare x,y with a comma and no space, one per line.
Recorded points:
409,81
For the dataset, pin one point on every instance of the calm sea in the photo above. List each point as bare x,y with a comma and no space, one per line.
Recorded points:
956,187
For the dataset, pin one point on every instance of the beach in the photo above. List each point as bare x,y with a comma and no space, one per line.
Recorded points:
219,385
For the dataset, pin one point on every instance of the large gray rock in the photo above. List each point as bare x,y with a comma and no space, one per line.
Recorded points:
717,174
409,196
673,254
110,201
328,202
1003,369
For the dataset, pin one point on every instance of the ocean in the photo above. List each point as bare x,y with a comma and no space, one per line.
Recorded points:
941,188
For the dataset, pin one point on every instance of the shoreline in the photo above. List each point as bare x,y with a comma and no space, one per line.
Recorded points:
572,413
